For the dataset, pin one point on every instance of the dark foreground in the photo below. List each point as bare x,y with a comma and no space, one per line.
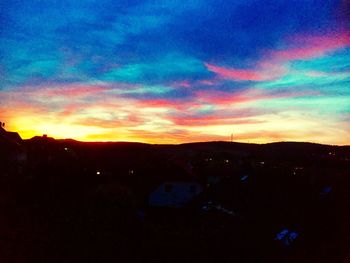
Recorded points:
66,201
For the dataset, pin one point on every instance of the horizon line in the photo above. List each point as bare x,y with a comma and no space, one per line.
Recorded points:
194,142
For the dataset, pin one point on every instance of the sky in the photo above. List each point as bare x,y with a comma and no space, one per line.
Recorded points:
176,71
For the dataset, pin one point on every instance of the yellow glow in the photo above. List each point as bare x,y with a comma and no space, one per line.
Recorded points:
123,120
283,127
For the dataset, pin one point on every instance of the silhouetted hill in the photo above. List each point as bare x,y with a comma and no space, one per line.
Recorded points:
71,201
279,150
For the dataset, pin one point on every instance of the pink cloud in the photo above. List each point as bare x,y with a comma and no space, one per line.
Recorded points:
222,98
207,82
26,93
167,103
69,110
265,70
184,83
311,46
272,64
236,74
72,90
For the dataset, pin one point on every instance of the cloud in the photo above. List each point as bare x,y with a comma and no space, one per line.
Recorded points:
304,47
266,72
170,67
235,74
126,121
248,96
175,135
75,90
202,121
272,65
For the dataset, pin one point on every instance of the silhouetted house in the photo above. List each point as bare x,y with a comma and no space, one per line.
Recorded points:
9,137
13,154
42,150
174,194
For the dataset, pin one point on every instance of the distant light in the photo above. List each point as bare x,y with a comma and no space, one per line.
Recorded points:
226,161
243,178
66,149
98,172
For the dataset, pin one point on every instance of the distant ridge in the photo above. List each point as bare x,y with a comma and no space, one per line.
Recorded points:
222,143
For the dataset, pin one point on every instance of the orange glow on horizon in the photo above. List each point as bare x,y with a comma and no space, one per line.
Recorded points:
247,133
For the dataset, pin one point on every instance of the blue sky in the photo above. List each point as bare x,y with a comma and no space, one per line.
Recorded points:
84,69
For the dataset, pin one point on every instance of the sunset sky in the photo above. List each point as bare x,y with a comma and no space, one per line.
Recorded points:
176,71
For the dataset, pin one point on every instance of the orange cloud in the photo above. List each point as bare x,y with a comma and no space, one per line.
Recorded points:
210,120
